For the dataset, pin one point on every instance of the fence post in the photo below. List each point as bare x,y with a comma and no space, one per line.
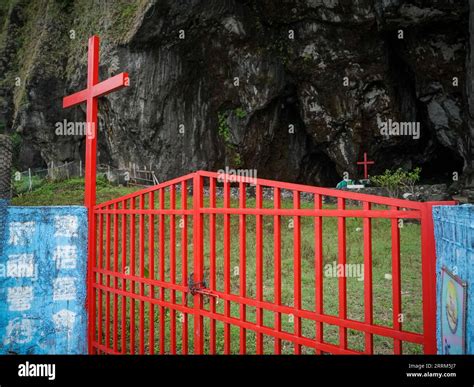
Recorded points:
428,270
198,264
30,186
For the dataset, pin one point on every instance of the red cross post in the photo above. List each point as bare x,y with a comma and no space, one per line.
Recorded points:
365,163
90,95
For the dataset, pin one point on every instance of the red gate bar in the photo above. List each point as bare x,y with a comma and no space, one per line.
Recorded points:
132,273
141,267
368,295
173,269
212,264
226,266
198,262
297,268
341,232
184,264
120,283
242,270
124,282
318,267
428,265
396,281
101,281
277,267
259,267
162,269
107,278
115,327
151,271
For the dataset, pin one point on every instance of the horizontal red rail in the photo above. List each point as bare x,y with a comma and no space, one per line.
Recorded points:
388,214
321,191
146,190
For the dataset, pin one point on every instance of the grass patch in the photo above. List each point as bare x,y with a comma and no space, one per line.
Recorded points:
67,192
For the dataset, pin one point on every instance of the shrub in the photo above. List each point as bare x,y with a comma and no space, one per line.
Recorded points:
393,181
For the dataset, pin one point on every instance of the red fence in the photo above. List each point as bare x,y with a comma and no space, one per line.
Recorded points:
199,265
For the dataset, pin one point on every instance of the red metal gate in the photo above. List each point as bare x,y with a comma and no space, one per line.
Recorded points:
200,264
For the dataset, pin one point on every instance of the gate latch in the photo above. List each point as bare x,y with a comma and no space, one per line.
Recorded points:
199,287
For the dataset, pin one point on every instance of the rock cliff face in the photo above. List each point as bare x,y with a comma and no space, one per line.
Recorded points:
295,89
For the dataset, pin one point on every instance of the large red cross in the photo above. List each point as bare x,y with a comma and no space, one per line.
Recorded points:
365,163
94,90
90,95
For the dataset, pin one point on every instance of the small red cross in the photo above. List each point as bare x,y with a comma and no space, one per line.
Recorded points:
94,90
365,163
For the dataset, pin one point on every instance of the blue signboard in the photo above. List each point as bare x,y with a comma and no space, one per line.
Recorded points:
454,234
43,281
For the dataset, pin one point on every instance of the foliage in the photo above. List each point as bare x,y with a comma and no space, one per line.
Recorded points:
410,179
237,160
397,179
240,113
223,129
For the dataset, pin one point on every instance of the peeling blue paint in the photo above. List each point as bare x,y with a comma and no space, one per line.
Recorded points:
454,234
43,281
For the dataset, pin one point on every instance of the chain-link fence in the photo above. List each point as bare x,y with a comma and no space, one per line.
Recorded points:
31,179
6,153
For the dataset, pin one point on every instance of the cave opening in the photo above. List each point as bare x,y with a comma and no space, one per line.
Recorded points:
439,168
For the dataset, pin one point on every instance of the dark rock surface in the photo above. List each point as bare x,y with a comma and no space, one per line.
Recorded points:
282,82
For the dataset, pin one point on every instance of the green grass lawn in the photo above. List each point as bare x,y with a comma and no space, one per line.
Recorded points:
68,192
71,192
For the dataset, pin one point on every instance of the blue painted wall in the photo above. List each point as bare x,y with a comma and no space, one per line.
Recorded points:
454,234
43,280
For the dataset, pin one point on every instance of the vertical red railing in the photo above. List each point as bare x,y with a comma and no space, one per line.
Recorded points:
396,281
318,267
141,250
277,266
198,262
226,266
101,280
172,269
242,270
341,230
368,295
162,268
107,279
151,272
124,281
116,256
259,267
184,264
297,268
132,273
212,263
428,266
